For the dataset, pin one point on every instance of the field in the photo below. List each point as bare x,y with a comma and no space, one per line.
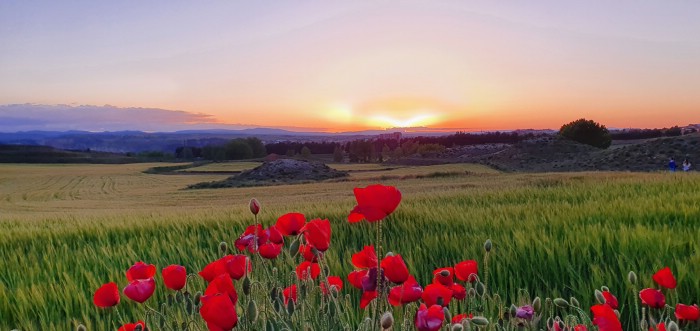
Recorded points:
67,229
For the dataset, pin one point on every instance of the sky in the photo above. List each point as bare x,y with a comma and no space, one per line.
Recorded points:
348,65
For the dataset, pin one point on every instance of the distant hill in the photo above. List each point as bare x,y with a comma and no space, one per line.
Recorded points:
556,154
47,154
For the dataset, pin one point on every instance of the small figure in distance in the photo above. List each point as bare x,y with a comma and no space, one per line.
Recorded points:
672,165
686,165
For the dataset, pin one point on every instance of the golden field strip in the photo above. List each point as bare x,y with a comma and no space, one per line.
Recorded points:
66,229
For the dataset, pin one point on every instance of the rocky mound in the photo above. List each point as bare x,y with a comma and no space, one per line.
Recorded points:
285,171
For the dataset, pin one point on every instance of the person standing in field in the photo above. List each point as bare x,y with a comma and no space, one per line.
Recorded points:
686,165
672,165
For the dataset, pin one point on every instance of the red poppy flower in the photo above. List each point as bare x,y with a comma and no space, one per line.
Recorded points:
333,282
466,271
222,284
290,224
219,312
610,299
580,327
270,251
652,298
688,313
268,236
458,291
604,317
140,270
395,269
318,234
106,296
461,317
429,319
132,326
234,265
290,293
365,259
432,292
664,278
308,253
366,298
374,203
140,290
307,269
174,277
355,278
409,291
659,327
444,276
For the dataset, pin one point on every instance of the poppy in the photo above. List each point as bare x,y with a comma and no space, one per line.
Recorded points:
333,282
458,291
374,203
290,293
444,276
369,281
610,299
366,298
106,296
652,298
365,259
309,253
466,271
580,327
174,277
409,291
132,326
140,270
254,206
433,292
659,327
688,313
461,317
355,277
270,251
429,319
525,312
306,270
222,284
234,265
395,269
664,278
290,224
604,317
219,312
318,234
140,290
254,237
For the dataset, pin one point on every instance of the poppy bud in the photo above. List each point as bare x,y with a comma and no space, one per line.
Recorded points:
448,314
246,286
574,302
480,321
599,297
480,289
290,307
672,326
81,328
269,326
294,248
252,312
537,304
223,247
170,300
632,278
389,254
488,245
513,310
277,305
457,327
197,298
561,303
254,206
387,320
604,289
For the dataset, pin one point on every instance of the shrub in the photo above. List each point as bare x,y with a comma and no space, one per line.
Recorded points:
587,132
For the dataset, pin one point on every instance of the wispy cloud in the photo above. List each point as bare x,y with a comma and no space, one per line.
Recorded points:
25,117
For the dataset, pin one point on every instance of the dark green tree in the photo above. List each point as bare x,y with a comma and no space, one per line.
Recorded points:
587,132
238,149
257,146
305,152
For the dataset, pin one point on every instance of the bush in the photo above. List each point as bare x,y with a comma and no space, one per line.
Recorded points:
587,132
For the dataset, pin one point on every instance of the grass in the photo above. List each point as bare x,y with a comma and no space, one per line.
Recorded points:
66,229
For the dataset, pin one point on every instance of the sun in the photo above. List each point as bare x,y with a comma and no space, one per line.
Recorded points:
386,121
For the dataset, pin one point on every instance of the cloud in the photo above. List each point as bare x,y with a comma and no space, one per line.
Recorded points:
26,117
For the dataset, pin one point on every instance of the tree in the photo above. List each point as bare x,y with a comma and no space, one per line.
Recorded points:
305,152
587,132
256,146
238,149
386,153
337,155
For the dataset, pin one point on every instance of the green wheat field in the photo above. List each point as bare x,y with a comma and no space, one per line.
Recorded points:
67,229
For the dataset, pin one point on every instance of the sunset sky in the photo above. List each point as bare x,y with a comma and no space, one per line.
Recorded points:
349,65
